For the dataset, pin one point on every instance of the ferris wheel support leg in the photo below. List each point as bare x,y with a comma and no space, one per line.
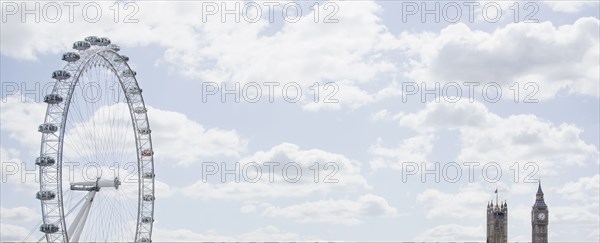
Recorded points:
79,222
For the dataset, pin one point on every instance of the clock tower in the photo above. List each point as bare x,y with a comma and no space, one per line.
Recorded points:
539,218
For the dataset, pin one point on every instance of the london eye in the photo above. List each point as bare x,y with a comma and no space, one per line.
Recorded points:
96,159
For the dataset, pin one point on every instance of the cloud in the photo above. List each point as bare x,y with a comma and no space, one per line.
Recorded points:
163,190
176,138
555,57
380,115
571,6
344,176
458,205
248,209
304,52
581,208
20,119
13,171
488,137
576,214
452,232
350,95
21,214
8,155
267,233
585,189
9,232
351,52
446,115
413,149
183,141
594,234
346,212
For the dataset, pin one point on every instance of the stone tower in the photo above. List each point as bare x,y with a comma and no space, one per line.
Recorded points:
497,222
539,218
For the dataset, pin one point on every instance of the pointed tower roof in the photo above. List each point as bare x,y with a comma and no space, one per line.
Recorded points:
539,196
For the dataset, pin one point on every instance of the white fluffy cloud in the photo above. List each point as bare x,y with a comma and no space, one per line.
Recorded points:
162,189
20,117
457,205
350,52
13,220
581,208
22,214
555,57
349,95
9,232
267,233
445,115
13,172
488,137
452,232
8,155
413,149
571,6
346,212
176,137
183,141
576,214
304,52
346,177
585,189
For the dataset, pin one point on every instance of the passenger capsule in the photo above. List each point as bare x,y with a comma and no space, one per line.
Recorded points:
45,161
47,128
60,75
140,110
45,195
144,131
122,58
48,228
128,73
81,45
70,57
93,40
103,41
147,220
134,90
53,99
114,47
148,198
147,152
148,175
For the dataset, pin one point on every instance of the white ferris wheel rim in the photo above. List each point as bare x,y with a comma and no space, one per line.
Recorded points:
50,163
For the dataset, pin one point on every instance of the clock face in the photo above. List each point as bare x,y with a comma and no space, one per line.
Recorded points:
541,216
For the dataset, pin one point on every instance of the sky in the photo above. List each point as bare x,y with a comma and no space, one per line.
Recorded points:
414,114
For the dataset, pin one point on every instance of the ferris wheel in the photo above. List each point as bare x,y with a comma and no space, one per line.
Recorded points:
96,158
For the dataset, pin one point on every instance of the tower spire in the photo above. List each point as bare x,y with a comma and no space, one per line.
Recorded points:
539,196
496,195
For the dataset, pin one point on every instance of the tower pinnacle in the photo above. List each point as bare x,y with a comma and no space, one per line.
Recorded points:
539,196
